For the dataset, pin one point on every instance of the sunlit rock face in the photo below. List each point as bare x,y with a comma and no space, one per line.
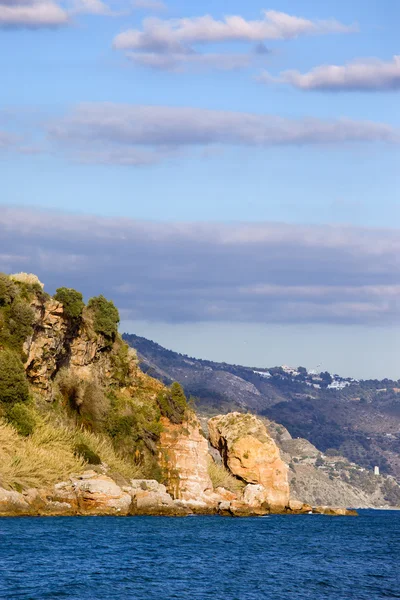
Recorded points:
183,453
250,453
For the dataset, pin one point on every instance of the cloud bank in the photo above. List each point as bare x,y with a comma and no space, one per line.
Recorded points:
188,272
162,131
32,14
38,14
178,38
371,75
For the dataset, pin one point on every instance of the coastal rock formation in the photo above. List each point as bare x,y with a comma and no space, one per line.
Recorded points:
56,342
90,493
251,454
151,498
183,452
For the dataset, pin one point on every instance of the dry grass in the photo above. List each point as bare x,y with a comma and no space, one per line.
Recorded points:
48,456
221,477
102,446
37,461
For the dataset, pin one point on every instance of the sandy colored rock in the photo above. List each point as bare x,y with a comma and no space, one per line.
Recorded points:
298,507
91,493
13,504
334,511
250,453
183,452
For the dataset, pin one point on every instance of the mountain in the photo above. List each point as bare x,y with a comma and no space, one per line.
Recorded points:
358,420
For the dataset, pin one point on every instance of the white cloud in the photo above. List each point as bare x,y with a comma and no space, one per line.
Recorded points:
178,37
175,34
359,75
32,14
264,272
124,128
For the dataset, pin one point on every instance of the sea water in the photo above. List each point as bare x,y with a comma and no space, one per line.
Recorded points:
196,558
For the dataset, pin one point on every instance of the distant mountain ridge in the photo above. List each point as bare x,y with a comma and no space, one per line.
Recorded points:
358,419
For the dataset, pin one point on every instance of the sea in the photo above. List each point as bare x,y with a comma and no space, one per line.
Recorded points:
195,558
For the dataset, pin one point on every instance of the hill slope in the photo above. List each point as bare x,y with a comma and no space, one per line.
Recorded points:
361,421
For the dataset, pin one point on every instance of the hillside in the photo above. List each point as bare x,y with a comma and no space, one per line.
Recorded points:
357,420
83,430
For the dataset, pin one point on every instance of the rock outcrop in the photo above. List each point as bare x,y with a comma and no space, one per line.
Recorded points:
183,452
56,342
251,454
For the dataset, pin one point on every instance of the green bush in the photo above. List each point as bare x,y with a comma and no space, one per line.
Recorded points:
87,454
13,383
72,302
8,290
20,321
22,418
105,316
173,403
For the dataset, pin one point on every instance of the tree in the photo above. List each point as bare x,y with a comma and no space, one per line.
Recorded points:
326,377
105,316
13,383
72,302
173,403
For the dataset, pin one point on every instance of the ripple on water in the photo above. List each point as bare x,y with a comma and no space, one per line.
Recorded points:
279,558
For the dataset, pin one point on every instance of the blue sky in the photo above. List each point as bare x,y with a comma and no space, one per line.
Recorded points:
263,138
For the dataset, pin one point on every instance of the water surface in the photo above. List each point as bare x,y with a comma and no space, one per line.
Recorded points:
196,558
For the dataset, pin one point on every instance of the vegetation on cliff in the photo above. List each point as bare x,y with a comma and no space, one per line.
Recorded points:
71,391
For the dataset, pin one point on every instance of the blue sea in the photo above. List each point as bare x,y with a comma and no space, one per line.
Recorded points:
196,558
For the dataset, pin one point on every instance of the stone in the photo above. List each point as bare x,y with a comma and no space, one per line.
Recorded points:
298,507
13,504
255,495
334,511
90,493
183,454
250,453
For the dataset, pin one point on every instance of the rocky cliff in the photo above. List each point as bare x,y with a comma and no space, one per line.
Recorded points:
250,454
84,431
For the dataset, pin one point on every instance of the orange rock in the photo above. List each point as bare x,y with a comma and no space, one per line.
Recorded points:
251,454
183,452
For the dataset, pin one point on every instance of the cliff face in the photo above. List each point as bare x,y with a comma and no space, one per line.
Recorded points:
252,455
56,343
183,454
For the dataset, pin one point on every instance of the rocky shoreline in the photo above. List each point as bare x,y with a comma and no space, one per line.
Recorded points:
91,494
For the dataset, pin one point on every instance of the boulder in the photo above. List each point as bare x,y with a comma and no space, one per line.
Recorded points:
250,453
151,498
90,493
334,511
298,507
13,504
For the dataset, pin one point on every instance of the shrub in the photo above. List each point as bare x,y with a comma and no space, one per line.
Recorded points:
173,403
105,316
87,454
22,418
86,398
13,383
221,477
20,322
72,302
8,290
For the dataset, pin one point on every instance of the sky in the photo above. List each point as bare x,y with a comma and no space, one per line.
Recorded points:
227,173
